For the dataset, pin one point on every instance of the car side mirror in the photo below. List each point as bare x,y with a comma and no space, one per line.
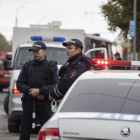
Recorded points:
7,64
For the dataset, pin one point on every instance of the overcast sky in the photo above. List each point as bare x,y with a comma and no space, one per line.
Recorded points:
74,14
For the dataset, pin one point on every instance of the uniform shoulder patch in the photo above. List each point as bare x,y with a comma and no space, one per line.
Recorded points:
73,74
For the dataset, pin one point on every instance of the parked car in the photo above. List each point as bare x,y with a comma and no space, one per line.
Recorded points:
103,105
4,77
14,106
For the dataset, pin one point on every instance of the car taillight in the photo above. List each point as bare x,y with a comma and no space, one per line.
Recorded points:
15,89
15,112
51,133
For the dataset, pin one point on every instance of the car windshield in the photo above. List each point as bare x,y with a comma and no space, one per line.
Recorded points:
23,55
104,95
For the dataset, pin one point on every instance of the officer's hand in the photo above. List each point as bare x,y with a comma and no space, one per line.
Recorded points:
40,97
50,97
34,92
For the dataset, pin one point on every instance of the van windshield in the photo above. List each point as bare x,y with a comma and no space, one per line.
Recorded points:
23,55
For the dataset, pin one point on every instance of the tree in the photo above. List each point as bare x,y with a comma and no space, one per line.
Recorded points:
4,44
118,13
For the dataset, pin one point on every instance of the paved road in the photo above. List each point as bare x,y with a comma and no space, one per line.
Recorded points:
4,133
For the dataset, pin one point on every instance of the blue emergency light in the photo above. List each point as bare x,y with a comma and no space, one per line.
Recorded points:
36,38
43,38
61,39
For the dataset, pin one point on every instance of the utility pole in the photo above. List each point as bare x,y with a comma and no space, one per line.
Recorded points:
17,12
134,39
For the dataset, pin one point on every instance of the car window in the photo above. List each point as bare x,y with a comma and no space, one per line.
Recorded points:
56,54
133,99
104,95
98,54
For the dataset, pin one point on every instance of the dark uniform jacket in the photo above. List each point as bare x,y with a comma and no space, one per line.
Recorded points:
22,79
69,72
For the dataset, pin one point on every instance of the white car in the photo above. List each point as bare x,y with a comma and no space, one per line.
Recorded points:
100,105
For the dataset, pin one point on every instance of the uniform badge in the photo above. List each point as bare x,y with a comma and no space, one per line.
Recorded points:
73,74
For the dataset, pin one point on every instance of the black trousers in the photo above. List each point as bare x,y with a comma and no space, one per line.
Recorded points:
43,109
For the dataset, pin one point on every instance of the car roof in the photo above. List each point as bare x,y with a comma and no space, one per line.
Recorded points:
111,74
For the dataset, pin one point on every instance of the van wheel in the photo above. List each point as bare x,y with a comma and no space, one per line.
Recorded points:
6,101
13,126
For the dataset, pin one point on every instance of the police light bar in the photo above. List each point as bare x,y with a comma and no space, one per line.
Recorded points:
115,62
43,38
111,62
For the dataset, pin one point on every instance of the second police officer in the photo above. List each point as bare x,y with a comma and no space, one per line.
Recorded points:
35,80
76,64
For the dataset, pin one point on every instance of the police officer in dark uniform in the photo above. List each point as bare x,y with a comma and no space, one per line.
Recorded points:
117,57
35,80
76,64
